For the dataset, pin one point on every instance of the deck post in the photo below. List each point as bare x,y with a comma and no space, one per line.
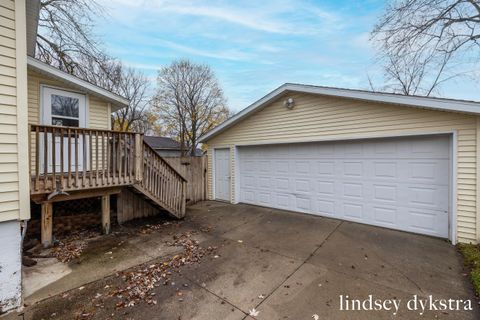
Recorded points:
106,214
47,224
138,157
184,198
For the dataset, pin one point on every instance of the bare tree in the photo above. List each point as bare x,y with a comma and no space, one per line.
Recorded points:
66,41
149,123
65,33
420,42
134,86
190,102
127,82
419,72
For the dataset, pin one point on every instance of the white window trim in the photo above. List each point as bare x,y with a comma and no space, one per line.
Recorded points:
42,102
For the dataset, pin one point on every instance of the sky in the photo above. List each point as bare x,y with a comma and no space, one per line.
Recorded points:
254,46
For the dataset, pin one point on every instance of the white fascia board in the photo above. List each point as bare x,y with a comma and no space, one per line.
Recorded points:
471,107
117,101
244,113
413,101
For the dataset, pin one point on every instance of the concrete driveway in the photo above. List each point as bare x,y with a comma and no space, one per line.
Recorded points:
292,266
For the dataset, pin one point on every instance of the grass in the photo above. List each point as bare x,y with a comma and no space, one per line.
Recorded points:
471,253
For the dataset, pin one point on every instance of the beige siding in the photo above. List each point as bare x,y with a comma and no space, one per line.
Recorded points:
316,118
12,58
9,196
98,112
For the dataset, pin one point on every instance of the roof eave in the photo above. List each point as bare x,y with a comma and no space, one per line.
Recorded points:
244,113
418,102
32,12
167,149
117,101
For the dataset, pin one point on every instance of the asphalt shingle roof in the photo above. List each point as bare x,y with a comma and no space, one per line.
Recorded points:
162,143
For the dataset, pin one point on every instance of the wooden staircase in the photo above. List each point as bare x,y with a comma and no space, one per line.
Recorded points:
70,163
161,183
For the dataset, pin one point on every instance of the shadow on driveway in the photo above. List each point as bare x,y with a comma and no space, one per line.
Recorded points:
283,265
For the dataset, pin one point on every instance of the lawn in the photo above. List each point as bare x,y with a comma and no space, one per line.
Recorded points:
471,253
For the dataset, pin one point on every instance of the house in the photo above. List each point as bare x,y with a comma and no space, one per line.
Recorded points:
167,147
56,145
402,162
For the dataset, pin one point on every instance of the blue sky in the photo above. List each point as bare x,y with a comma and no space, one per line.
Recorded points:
254,46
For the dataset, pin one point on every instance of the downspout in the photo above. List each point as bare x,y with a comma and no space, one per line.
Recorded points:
24,233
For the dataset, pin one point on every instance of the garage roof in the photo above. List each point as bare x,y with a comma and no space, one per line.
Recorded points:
117,101
471,107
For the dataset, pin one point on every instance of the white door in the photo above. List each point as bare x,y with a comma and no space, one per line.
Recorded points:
400,183
222,174
64,108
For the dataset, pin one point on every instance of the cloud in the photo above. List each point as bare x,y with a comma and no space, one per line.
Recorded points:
235,16
230,54
286,17
143,66
253,46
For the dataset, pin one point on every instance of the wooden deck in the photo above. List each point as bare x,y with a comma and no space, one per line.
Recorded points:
71,163
73,159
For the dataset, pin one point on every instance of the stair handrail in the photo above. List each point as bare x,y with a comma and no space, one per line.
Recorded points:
147,146
161,181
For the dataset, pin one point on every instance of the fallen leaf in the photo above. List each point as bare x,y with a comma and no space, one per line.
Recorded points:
141,280
253,312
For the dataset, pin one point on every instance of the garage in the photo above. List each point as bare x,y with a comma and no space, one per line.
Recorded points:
399,183
407,163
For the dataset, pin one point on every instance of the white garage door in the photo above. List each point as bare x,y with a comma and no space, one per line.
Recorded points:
400,183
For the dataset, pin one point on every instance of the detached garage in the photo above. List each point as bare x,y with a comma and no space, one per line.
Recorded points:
400,162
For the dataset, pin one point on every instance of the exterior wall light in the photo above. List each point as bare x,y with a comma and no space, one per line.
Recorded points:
289,103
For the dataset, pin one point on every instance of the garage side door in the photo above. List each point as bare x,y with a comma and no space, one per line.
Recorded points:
398,183
222,174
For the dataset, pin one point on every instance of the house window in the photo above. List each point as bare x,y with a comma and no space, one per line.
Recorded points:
63,108
65,111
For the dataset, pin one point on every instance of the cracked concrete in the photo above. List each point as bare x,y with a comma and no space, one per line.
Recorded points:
286,266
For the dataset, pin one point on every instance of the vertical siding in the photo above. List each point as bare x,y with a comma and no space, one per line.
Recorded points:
317,118
9,186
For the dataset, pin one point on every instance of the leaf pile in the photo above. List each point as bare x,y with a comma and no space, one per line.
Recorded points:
149,228
140,282
72,246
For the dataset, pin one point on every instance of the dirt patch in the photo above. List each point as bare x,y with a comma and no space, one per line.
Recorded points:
72,246
140,281
142,285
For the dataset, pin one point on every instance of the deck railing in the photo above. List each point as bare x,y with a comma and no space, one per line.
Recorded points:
163,181
70,158
65,159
